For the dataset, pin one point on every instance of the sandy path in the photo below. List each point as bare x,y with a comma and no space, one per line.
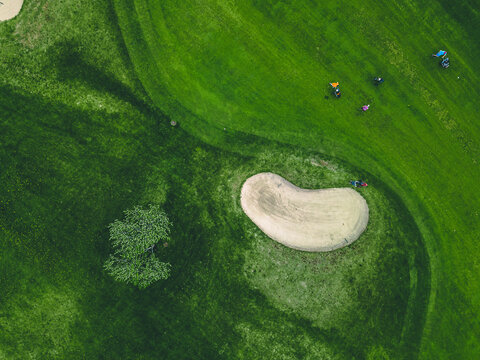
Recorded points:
9,9
310,220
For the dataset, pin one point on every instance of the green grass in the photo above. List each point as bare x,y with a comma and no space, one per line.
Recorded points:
263,68
86,100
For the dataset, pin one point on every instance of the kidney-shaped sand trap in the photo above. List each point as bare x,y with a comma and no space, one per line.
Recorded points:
310,220
9,9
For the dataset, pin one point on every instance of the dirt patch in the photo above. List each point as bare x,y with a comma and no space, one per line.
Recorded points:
309,220
9,9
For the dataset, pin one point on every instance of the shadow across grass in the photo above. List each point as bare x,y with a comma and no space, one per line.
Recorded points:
72,65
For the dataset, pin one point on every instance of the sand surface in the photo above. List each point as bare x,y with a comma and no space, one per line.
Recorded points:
309,220
9,9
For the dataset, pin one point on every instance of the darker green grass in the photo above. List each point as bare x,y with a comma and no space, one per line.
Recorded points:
211,305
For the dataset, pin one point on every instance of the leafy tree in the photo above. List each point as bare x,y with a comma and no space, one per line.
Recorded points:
135,241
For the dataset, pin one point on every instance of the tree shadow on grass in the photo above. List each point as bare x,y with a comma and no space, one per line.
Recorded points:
66,155
72,65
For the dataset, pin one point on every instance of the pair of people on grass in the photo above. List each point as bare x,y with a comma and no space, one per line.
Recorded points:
445,63
358,183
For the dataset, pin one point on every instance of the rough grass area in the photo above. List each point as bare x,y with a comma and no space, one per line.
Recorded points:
86,100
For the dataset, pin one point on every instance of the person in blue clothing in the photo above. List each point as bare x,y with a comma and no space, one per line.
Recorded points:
445,63
358,183
440,53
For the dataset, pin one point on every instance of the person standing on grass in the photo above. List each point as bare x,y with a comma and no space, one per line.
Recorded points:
365,107
335,84
357,183
440,53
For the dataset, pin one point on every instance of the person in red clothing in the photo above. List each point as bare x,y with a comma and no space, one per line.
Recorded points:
358,183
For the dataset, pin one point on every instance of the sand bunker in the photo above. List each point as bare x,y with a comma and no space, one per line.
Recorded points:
310,220
9,9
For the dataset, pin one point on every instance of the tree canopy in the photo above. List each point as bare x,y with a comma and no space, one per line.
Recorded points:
135,239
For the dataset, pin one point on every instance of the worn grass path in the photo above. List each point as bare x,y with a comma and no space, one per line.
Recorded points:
262,67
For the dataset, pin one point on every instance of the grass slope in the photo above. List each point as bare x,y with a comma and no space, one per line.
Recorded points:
262,67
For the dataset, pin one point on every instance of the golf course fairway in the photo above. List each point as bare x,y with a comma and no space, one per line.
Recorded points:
264,67
88,95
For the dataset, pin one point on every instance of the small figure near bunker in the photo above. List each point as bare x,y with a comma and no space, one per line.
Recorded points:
357,183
